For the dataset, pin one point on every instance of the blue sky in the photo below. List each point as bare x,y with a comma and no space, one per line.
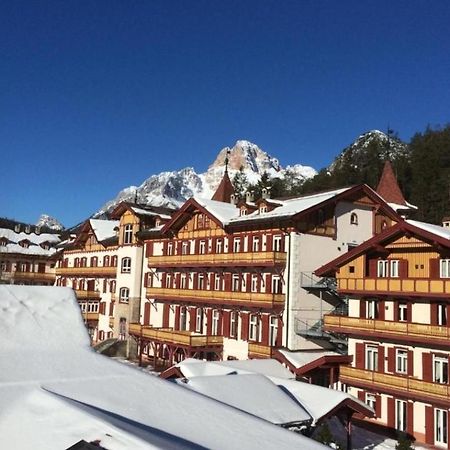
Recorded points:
96,96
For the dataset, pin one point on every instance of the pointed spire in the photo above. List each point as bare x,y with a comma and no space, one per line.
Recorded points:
388,187
227,160
225,189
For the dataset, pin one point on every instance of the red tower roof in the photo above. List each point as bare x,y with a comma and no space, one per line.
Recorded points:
388,187
224,190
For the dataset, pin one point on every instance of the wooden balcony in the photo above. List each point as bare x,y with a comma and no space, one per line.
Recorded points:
248,298
259,351
178,337
408,286
411,387
261,259
84,295
90,316
34,276
86,271
399,331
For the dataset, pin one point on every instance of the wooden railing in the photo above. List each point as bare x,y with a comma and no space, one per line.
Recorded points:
169,335
400,330
241,258
87,271
33,276
90,315
238,297
395,285
405,385
259,350
81,295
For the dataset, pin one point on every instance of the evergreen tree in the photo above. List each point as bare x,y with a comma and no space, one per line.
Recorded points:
240,183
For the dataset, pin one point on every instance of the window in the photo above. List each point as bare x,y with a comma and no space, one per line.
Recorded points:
371,357
441,314
94,261
273,330
128,233
124,295
92,307
440,370
440,426
277,287
255,243
202,247
388,268
371,400
372,309
219,246
401,361
402,309
122,328
183,318
254,283
169,248
183,281
199,320
354,219
112,287
445,268
3,242
236,245
83,262
262,209
185,248
394,265
200,221
201,281
233,323
400,415
169,281
218,283
277,243
126,265
243,211
253,332
106,261
235,285
114,261
215,322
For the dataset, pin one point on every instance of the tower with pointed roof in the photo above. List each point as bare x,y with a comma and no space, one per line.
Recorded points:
225,189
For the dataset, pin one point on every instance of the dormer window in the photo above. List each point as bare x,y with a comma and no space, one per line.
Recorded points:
243,211
17,228
25,243
157,222
354,219
45,245
27,229
3,242
263,209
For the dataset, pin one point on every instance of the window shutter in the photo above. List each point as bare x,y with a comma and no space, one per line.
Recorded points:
362,308
434,313
166,312
434,268
410,363
147,313
226,324
395,302
268,283
381,310
192,316
373,268
391,412
403,268
102,308
209,321
220,324
177,317
244,326
265,329
362,396
359,355
381,359
391,359
429,425
227,281
410,418
111,308
378,405
279,340
148,249
269,243
427,367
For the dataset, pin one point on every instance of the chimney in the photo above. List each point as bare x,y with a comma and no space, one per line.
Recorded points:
233,199
265,193
249,196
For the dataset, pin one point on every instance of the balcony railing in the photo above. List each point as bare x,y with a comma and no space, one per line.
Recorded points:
217,259
87,271
33,276
406,385
404,331
259,350
81,295
169,335
414,286
252,298
90,315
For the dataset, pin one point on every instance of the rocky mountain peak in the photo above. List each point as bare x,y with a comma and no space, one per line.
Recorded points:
47,221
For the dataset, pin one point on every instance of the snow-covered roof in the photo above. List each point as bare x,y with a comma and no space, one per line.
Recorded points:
104,229
300,359
34,239
431,228
221,210
252,393
398,208
59,391
145,212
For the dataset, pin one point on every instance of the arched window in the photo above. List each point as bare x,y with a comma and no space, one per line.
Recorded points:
83,262
76,262
126,265
114,261
112,286
94,261
124,295
354,219
106,261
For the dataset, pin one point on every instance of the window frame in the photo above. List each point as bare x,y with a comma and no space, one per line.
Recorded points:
125,265
128,234
122,297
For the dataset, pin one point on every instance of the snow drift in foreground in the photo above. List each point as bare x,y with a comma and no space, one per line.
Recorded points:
55,390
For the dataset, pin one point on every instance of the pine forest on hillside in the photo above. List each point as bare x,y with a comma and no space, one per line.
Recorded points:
422,168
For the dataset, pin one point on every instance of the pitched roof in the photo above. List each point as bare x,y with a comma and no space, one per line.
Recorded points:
224,190
388,187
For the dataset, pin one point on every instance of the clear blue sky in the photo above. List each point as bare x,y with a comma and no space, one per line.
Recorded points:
96,96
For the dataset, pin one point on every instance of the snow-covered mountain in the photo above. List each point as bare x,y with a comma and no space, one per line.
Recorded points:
47,221
171,189
373,144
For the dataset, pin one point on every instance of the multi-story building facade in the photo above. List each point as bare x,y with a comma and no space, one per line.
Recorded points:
27,253
398,285
223,279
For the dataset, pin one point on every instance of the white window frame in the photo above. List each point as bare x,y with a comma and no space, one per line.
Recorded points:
169,281
183,281
401,415
234,320
201,282
254,327
277,285
202,247
183,318
215,322
128,233
401,361
124,295
199,320
394,268
219,246
254,283
402,312
263,209
125,265
371,309
235,284
441,314
185,248
273,330
370,400
169,248
256,243
371,359
382,268
276,243
236,245
444,268
440,426
440,369
218,282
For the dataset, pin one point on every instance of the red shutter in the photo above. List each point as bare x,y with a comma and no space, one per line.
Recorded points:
403,268
434,268
410,363
359,355
395,303
381,359
220,325
148,249
391,412
111,308
391,359
147,313
102,308
427,367
244,326
192,317
279,341
265,329
410,418
434,313
248,282
378,405
381,309
362,396
209,321
362,309
269,243
373,268
166,312
177,317
268,283
226,324
429,425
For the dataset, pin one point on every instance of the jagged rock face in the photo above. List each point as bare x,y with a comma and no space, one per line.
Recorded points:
171,189
360,151
47,221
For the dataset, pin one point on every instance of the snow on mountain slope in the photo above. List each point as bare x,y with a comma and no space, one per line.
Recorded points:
171,189
49,222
